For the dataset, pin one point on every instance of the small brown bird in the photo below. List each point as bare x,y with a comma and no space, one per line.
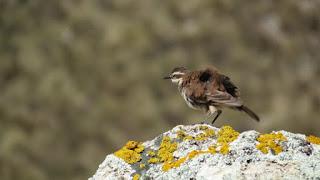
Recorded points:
208,90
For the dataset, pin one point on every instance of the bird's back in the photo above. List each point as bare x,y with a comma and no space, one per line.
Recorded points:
209,86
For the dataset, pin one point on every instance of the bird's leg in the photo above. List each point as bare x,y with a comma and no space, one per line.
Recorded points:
208,115
211,110
218,114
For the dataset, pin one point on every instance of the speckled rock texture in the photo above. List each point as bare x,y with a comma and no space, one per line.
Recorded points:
205,152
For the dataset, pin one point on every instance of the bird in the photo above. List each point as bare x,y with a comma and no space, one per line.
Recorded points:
208,90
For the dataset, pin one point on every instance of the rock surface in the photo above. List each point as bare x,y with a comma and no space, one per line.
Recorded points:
206,152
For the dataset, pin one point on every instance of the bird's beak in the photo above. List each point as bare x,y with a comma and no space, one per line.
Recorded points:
167,77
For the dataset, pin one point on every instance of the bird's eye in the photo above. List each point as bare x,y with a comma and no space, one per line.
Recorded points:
176,76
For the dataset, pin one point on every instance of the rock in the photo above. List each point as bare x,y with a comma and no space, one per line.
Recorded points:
205,152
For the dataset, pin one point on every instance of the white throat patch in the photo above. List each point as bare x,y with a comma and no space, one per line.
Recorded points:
177,81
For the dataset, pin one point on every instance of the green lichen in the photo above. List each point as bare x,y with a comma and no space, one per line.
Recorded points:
270,142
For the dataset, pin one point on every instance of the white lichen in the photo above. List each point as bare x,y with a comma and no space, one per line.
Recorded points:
196,151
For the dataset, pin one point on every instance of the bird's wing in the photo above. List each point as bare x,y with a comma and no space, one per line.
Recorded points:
208,86
223,98
228,86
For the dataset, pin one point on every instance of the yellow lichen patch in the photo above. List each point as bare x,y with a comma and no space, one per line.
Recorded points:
203,128
153,160
313,139
130,153
227,134
192,154
142,166
174,164
270,142
224,149
212,149
166,149
151,153
132,144
188,137
139,148
181,134
200,137
136,177
209,132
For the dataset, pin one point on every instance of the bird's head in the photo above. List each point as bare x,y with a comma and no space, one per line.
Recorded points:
177,74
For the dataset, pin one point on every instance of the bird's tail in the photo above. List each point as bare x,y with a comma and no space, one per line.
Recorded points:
249,112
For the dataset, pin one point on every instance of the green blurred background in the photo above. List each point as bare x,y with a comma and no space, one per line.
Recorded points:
80,78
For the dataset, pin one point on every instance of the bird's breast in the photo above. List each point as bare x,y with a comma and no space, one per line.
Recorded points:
190,102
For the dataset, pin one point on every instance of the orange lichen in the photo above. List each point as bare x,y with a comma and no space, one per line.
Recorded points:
271,142
313,139
166,149
136,177
130,153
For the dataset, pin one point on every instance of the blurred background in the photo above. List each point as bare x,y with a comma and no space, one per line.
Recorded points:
80,78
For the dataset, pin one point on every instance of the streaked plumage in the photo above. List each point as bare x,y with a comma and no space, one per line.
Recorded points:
208,90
